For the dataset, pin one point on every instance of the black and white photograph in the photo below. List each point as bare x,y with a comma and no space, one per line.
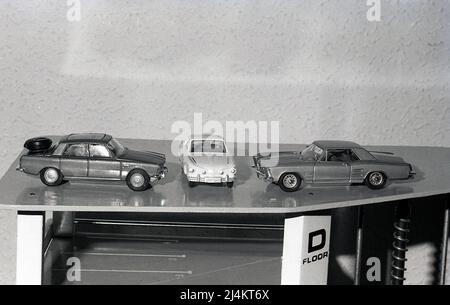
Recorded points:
229,149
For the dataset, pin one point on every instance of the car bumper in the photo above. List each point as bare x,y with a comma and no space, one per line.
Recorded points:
160,176
210,179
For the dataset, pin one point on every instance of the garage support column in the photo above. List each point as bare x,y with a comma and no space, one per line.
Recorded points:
359,244
30,242
306,250
63,225
444,249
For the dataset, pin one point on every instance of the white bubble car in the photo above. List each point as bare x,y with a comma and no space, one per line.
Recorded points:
205,159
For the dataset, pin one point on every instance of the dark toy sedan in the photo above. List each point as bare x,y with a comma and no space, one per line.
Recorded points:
91,157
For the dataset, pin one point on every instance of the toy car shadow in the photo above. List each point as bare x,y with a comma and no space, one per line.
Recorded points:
73,193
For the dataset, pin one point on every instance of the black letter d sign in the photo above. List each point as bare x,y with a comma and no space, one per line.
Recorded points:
320,233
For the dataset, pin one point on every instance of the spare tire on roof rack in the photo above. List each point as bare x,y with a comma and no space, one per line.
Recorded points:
40,144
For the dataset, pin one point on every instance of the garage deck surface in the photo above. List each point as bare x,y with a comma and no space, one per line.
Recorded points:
250,195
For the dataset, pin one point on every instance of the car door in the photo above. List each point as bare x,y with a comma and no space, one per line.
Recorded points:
102,163
357,174
333,168
74,161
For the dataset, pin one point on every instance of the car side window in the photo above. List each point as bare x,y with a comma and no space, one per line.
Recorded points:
353,156
338,155
363,154
322,157
99,151
59,150
77,150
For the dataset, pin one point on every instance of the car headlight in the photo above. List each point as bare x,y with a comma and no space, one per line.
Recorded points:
233,171
221,172
191,170
204,172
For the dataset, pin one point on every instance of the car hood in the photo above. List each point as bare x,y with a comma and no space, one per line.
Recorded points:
212,161
388,158
143,157
284,158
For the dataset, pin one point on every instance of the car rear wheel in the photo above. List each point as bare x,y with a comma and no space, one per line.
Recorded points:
376,180
290,182
138,180
230,184
51,176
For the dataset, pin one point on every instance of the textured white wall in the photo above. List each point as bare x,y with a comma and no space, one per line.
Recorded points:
131,68
8,249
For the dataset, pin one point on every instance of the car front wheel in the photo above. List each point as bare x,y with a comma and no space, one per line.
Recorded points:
376,180
138,180
290,182
51,177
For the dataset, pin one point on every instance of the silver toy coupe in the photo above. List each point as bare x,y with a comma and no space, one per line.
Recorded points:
91,157
331,162
205,159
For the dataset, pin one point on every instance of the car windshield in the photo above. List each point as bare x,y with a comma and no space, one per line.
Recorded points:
117,148
312,152
208,146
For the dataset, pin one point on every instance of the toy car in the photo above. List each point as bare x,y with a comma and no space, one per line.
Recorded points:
331,162
205,159
91,157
